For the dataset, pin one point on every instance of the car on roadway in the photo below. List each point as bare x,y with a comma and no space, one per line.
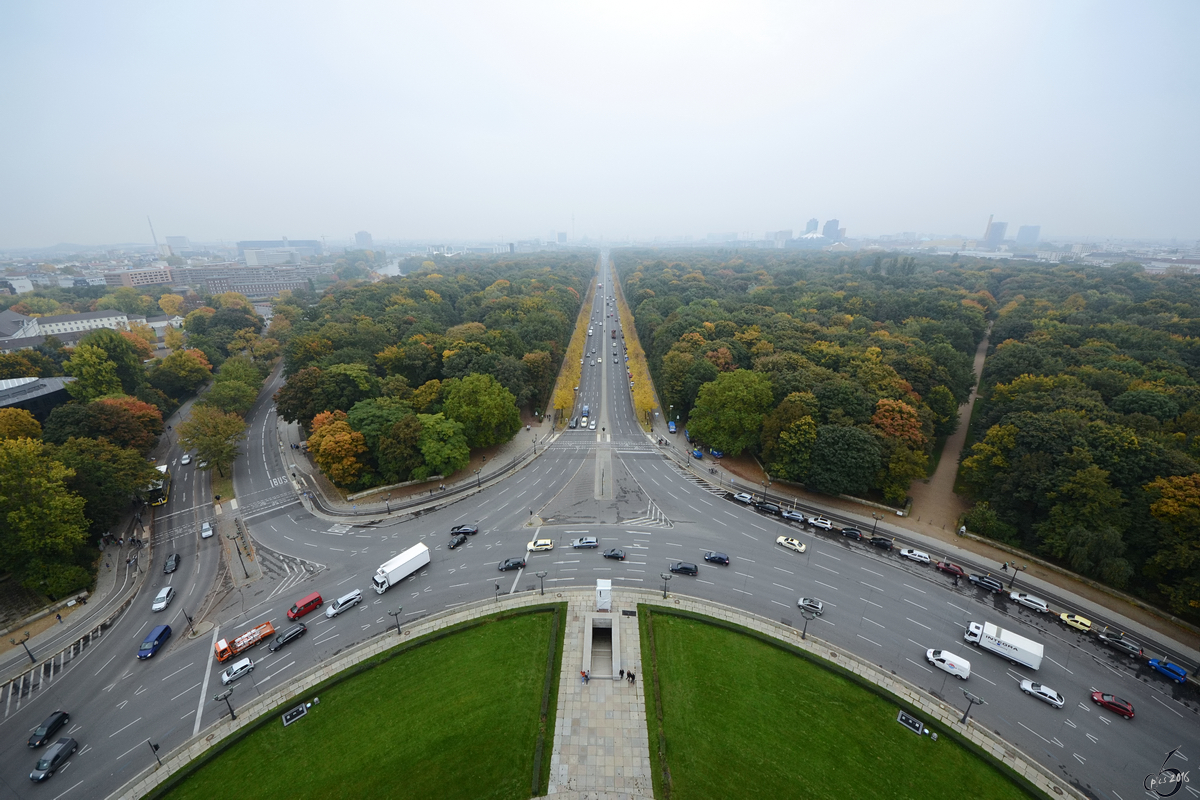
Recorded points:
697,453
671,426
236,670
615,552
811,605
1077,622
592,363
512,563
574,422
171,564
154,641
791,543
986,582
187,459
592,425
585,542
946,661
915,555
852,533
768,508
742,497
713,557
951,569
1043,693
1029,601
55,756
163,599
716,453
684,568
792,515
202,465
206,530
469,530
1172,671
456,540
1113,703
1118,642
882,542
615,359
43,733
289,634
821,522
538,545
343,603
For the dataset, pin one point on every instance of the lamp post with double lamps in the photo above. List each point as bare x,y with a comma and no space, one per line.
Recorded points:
665,578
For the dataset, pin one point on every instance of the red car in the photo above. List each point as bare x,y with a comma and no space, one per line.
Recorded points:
951,569
1113,703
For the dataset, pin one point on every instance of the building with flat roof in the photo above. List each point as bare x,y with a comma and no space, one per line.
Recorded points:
363,241
306,247
38,396
1028,235
153,276
831,231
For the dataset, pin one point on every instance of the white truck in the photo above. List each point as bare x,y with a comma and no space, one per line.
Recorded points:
1007,644
400,567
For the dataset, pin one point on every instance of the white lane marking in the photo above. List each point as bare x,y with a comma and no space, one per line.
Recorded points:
914,622
911,603
865,639
181,694
915,589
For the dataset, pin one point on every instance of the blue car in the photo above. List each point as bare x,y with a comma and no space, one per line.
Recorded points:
716,453
697,453
1172,671
671,426
154,641
687,434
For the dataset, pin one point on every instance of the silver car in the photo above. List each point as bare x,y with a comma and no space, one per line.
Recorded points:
793,516
1043,693
811,605
164,598
586,541
1029,601
342,603
236,670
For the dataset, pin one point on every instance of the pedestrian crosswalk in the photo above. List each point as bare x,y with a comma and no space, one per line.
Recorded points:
653,518
287,570
701,483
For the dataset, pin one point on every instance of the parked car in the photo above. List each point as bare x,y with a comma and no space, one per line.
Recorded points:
821,522
1043,693
742,497
236,670
716,558
684,568
671,427
768,508
469,530
537,545
615,552
585,541
951,569
512,563
915,555
1113,703
456,540
163,599
852,533
1029,601
697,453
882,542
986,582
792,516
154,641
343,603
791,543
1118,642
292,633
171,564
55,756
811,605
1172,671
1077,622
716,453
206,530
44,732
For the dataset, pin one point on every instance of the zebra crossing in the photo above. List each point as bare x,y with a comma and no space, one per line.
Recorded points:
653,518
288,570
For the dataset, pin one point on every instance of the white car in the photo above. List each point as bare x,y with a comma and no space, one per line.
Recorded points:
164,598
811,605
187,459
592,425
1029,601
1043,693
791,544
206,530
540,544
794,516
342,603
237,670
821,522
915,555
742,497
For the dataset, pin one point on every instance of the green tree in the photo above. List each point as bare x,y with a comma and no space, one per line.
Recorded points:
181,373
945,410
1175,566
106,477
486,409
375,417
792,453
793,408
904,465
336,447
16,423
844,460
728,414
1084,527
240,369
232,396
213,435
399,450
95,376
125,354
443,446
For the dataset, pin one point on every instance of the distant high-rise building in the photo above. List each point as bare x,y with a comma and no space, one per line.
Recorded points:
362,240
830,230
994,235
562,237
303,247
811,227
1029,234
179,245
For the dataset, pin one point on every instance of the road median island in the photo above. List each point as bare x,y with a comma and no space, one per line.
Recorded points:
388,724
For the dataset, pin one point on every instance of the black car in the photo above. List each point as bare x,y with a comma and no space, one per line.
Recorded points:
294,632
55,756
44,732
469,530
882,542
684,568
986,582
616,553
512,563
1118,642
172,563
716,558
853,533
457,539
768,508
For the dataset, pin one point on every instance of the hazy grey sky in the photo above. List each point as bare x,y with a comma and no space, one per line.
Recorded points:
449,120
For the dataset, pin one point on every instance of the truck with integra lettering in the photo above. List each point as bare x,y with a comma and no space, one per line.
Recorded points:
397,569
227,650
1007,644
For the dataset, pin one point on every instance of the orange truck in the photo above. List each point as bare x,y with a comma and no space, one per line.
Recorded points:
227,650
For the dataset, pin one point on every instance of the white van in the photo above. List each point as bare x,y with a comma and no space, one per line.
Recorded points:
164,598
945,660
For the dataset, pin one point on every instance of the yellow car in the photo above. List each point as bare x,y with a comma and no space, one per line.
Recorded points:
540,544
791,544
1077,622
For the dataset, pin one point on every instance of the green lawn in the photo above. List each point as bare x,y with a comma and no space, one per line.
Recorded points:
744,719
456,718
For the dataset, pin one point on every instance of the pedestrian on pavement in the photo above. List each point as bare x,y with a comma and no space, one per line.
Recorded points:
632,678
1004,566
59,618
582,676
956,580
622,674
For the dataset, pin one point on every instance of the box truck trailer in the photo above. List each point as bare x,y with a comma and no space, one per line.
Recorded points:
397,569
1007,644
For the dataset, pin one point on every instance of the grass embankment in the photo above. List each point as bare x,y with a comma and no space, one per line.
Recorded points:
643,387
222,486
572,370
744,719
455,718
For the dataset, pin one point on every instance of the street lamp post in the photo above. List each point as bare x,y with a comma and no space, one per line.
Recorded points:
477,478
189,619
32,660
225,696
542,580
665,578
808,617
154,749
387,501
396,614
1016,569
239,552
972,700
876,517
497,593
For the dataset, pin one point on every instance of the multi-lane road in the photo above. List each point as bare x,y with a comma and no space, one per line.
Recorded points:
612,483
